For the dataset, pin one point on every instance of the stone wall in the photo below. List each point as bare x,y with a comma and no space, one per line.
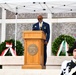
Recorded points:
0,13
0,33
16,62
10,30
57,28
11,15
63,28
64,15
68,28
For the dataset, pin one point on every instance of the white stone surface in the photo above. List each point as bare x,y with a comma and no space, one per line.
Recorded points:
12,67
16,62
57,60
11,60
54,62
29,72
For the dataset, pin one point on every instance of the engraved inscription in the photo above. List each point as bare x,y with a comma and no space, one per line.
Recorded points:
32,49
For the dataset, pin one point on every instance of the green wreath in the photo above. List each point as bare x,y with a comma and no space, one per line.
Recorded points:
55,45
19,47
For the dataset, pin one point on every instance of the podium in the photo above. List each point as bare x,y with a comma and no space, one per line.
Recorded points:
33,49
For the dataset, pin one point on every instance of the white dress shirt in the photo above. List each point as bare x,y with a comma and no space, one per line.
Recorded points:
40,24
74,60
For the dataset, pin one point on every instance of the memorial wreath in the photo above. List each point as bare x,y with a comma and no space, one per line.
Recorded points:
7,48
56,43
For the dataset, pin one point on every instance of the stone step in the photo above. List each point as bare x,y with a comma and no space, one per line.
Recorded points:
29,72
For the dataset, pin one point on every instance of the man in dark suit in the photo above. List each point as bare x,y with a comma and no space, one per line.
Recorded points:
69,67
41,25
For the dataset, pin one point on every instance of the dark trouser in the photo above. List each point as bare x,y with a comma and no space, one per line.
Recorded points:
45,54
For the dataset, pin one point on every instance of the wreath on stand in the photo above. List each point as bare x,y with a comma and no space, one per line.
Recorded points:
56,44
19,47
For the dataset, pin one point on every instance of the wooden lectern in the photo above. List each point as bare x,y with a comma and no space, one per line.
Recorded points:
33,49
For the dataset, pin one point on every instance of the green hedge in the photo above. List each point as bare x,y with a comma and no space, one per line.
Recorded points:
55,45
19,47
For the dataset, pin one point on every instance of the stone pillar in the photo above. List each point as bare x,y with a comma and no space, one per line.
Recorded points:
3,26
49,19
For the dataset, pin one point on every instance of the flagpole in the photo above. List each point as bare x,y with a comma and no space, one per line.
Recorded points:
16,27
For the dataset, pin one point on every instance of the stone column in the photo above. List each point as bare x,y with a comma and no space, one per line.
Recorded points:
3,26
49,44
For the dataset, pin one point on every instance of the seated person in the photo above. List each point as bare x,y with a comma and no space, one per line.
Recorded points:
69,67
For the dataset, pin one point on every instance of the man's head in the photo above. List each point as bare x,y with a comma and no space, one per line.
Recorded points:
74,53
73,50
40,18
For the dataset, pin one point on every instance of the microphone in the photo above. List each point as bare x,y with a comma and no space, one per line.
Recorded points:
40,28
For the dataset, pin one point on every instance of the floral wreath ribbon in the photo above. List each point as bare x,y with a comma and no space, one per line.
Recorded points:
65,45
9,47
